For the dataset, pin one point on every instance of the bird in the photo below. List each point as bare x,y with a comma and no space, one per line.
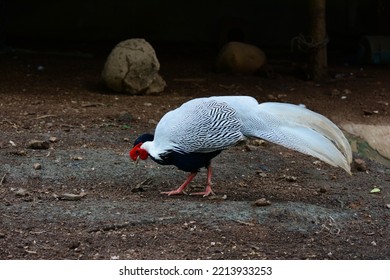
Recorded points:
190,136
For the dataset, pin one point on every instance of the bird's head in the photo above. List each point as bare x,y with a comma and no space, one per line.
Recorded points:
137,152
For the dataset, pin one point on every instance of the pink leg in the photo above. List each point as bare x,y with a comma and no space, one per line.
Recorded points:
181,189
208,190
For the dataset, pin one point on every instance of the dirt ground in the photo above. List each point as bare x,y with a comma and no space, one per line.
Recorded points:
79,197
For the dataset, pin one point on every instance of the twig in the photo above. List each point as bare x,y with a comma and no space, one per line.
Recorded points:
45,116
71,196
2,179
331,226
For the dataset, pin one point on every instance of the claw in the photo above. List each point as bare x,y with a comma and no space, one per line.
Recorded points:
181,189
175,192
206,192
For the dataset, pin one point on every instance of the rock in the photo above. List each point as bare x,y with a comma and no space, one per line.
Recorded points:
290,178
37,166
21,192
257,142
77,158
157,85
360,164
38,145
248,148
132,67
125,117
376,135
74,244
237,57
53,139
261,173
19,153
261,202
323,189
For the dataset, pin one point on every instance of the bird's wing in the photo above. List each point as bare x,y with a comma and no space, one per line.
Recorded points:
200,125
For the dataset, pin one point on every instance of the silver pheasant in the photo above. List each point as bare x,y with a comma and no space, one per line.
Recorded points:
191,135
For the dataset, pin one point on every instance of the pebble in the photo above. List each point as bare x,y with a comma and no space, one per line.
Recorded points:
261,174
347,91
125,117
271,97
74,244
290,178
335,92
21,192
19,153
257,142
261,202
37,166
360,164
77,158
38,145
249,148
323,190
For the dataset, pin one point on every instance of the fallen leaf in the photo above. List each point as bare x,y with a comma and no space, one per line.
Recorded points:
375,190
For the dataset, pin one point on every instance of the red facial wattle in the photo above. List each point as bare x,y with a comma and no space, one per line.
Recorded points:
137,152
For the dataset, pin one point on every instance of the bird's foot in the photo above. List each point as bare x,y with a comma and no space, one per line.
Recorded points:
181,189
174,192
206,192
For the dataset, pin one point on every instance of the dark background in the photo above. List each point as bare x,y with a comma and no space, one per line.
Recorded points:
174,25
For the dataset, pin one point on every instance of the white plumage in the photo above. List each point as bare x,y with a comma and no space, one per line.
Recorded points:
206,125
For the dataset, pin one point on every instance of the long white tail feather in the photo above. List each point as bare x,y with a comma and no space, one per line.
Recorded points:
305,117
293,127
302,130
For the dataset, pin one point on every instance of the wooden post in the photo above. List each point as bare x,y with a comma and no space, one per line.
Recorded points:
318,56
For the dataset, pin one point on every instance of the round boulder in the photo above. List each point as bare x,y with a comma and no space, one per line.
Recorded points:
132,67
237,57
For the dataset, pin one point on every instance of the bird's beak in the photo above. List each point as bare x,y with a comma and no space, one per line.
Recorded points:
136,161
